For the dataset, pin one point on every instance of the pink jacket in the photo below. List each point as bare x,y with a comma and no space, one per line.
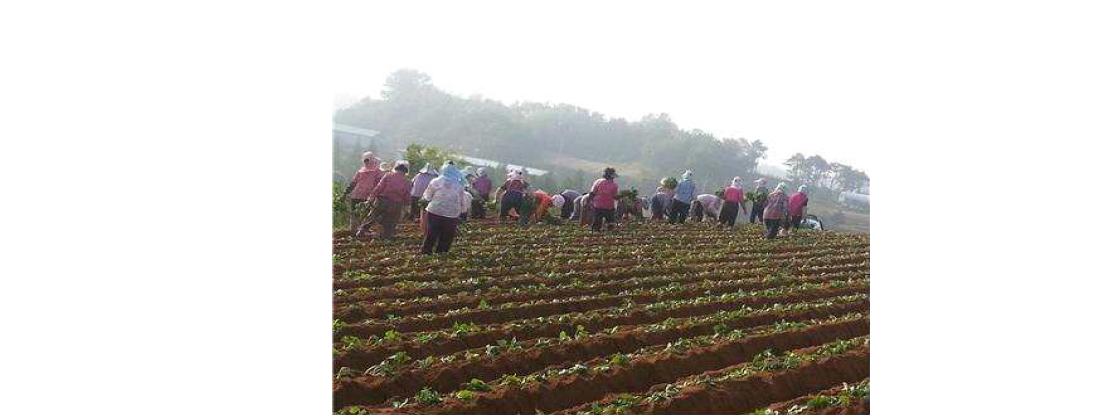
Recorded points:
776,206
604,194
393,187
365,180
796,204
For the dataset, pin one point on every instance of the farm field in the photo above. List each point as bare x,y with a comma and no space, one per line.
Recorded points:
647,319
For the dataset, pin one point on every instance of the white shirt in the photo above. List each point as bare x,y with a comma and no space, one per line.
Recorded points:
447,199
467,202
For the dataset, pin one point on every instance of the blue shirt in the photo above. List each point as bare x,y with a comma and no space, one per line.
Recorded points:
685,191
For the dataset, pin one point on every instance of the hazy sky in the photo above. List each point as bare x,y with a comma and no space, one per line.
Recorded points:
798,78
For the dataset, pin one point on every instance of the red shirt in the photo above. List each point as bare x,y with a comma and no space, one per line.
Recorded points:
796,204
604,194
732,195
393,187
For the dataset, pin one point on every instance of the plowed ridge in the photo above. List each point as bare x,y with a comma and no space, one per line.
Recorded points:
648,318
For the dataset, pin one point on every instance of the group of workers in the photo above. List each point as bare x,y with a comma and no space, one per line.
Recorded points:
452,195
781,213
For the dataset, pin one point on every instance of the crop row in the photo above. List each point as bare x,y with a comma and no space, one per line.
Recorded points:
563,386
546,307
842,399
399,374
375,262
360,274
487,287
575,290
740,388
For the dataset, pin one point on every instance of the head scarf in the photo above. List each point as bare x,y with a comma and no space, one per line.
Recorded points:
781,187
370,161
803,188
557,200
687,175
737,182
427,168
451,173
515,175
480,171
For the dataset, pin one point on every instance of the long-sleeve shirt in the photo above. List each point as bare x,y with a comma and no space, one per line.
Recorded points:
776,206
796,204
543,202
569,195
760,195
483,185
711,203
365,180
420,182
514,185
604,194
446,198
393,187
685,191
732,195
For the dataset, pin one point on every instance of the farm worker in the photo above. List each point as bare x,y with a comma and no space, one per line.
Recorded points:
359,190
468,178
583,209
604,192
391,195
660,203
446,201
760,196
796,205
630,206
420,182
545,201
706,205
569,196
776,210
682,198
482,187
732,200
466,210
513,193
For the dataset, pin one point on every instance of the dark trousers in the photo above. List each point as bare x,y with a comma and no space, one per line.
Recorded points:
602,215
478,206
728,213
656,210
757,212
386,213
414,207
678,211
511,200
440,232
772,227
567,209
793,222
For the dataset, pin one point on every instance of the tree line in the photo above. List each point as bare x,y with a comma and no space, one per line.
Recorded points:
570,141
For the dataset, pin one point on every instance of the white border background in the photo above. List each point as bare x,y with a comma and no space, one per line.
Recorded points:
166,220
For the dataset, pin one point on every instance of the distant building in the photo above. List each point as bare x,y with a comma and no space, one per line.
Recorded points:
352,136
348,143
852,199
508,166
